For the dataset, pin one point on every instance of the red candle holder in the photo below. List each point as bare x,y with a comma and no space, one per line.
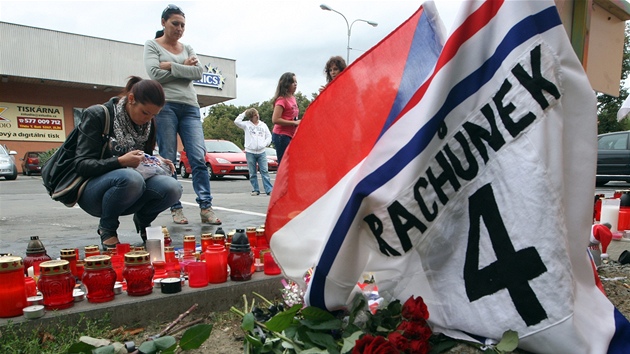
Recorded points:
70,255
240,259
138,273
216,264
56,283
206,241
172,267
91,251
189,244
167,237
270,265
99,278
261,239
35,254
250,231
13,289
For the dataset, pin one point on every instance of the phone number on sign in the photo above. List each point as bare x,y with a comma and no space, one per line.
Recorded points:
39,123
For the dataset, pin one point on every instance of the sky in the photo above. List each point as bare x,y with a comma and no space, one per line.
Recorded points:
265,37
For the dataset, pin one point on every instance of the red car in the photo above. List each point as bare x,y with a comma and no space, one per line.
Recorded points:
30,163
272,159
223,158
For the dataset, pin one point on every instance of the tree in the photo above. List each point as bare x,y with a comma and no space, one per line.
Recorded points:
219,122
607,106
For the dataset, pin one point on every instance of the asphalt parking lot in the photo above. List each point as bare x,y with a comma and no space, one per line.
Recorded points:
27,210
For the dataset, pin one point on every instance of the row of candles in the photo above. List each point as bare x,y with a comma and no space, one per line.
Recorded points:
238,254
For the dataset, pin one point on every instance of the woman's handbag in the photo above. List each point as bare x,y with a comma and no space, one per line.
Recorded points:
59,173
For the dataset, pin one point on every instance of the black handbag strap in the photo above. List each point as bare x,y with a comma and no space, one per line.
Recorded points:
105,130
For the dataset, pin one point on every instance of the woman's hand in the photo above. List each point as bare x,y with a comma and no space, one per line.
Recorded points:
168,163
192,61
131,159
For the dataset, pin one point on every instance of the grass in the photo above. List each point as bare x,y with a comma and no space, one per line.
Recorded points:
54,338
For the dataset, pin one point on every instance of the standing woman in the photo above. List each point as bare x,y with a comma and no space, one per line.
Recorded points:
334,66
285,113
175,66
114,190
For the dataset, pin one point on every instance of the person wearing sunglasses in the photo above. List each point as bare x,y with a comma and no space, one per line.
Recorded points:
175,65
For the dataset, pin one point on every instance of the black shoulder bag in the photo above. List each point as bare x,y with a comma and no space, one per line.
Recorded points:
59,174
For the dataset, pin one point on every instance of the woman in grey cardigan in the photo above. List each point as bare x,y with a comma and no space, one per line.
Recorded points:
175,66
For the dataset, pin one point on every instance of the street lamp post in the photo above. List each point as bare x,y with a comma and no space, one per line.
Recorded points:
349,27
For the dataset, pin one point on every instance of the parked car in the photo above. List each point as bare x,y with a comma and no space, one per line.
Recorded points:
30,163
272,159
223,158
613,157
8,170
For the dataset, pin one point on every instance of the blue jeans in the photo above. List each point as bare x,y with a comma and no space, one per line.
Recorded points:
124,192
261,160
280,143
185,119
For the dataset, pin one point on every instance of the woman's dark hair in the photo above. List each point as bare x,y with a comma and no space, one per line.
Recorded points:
166,14
145,91
336,61
286,80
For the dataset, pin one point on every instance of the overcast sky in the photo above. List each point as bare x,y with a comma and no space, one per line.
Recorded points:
265,37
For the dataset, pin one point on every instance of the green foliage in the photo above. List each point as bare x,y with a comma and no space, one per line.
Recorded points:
46,155
219,121
56,337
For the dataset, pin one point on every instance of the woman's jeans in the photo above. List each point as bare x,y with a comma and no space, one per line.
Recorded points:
124,192
280,143
261,160
185,120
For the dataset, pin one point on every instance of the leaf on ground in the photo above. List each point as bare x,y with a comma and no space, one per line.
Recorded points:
509,342
194,336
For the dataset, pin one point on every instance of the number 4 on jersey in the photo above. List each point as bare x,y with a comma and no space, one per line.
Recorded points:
512,270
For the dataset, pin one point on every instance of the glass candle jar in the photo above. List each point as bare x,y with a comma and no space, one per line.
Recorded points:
70,255
35,254
91,250
13,289
250,231
230,236
99,278
189,244
218,239
172,266
261,239
168,241
56,283
138,273
240,258
270,265
206,241
216,264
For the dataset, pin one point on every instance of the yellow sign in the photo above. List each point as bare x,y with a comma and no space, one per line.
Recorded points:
27,122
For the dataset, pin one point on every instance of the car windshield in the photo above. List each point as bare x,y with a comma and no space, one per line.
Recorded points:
3,152
270,152
221,146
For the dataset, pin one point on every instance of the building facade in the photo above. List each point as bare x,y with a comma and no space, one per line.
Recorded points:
48,77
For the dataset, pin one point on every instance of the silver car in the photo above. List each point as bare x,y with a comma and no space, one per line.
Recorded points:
8,169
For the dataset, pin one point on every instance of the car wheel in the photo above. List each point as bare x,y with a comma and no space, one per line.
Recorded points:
24,172
184,173
601,182
28,173
12,177
247,177
211,174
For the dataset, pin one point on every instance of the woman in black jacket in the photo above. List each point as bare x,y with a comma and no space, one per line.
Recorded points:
115,187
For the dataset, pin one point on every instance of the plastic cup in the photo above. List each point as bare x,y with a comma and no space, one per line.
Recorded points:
197,274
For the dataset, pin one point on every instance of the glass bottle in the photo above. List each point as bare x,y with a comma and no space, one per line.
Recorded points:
35,254
138,273
13,289
240,259
99,278
56,283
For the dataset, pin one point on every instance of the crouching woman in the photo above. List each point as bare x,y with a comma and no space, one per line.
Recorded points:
115,187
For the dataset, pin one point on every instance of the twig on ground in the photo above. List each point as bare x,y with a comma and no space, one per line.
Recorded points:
184,326
172,324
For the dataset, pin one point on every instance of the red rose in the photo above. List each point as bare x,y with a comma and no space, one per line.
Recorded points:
399,341
419,347
415,309
369,344
415,330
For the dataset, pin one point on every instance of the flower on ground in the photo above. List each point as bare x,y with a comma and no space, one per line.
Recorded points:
369,344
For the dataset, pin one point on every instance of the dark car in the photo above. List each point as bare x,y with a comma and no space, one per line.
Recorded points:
223,158
8,169
613,157
30,163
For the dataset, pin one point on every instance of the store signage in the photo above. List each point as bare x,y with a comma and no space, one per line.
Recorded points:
27,122
211,78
